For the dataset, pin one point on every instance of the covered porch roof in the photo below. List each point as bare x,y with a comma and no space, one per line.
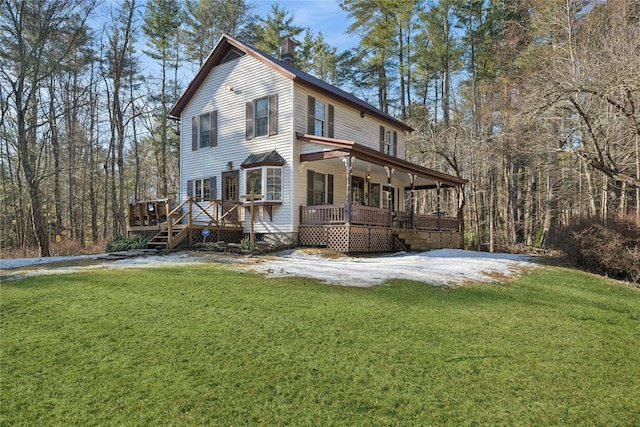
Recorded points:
424,178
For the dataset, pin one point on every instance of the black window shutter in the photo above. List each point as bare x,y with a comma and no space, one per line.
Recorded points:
310,175
249,129
214,128
311,115
273,114
382,138
213,187
330,124
395,144
190,188
330,189
194,133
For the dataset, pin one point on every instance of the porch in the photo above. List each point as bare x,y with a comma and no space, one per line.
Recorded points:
375,217
360,199
369,229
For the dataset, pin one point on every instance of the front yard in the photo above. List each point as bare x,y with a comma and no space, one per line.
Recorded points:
202,344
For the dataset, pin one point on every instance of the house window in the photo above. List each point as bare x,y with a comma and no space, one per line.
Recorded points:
261,117
319,188
320,118
204,130
266,181
274,184
202,189
388,141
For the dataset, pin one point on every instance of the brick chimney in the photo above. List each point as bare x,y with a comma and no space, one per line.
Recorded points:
287,51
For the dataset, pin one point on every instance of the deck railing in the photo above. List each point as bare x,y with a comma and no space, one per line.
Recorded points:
321,215
366,215
435,222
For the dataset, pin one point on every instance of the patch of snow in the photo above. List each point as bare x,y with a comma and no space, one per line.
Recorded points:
28,262
444,267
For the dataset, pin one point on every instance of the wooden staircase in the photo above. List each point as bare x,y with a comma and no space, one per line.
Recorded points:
163,240
423,240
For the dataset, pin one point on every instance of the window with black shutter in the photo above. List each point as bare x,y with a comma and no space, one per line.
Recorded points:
204,130
261,117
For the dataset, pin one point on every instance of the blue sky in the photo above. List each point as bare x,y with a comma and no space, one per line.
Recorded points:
323,16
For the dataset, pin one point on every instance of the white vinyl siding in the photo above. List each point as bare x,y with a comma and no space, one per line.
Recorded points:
251,80
347,123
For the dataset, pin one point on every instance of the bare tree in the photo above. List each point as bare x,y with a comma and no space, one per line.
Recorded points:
38,37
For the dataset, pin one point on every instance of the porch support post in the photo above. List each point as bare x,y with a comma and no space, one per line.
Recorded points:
390,197
412,201
347,204
438,204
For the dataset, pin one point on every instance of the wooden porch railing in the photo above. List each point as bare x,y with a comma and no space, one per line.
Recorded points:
434,222
205,212
334,214
366,215
321,215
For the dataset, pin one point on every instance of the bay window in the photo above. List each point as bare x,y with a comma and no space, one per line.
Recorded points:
265,180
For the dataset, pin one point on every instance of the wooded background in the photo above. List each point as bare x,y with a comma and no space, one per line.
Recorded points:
535,102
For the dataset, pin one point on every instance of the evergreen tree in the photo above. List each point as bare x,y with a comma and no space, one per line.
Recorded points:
207,20
161,24
275,27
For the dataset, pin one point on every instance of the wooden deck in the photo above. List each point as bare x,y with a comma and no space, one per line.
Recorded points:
169,227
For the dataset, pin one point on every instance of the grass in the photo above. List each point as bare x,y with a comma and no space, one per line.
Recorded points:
203,345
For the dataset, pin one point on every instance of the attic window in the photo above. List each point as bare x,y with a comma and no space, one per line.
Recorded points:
231,55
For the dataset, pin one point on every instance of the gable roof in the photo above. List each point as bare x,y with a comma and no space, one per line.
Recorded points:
226,43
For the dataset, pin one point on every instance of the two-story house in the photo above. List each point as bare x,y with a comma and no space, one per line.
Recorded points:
328,168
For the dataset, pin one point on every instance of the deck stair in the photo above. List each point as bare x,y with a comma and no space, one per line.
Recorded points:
418,240
162,241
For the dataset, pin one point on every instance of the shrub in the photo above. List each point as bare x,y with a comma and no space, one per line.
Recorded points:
612,249
121,243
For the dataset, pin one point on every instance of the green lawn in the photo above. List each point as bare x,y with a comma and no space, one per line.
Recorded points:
205,345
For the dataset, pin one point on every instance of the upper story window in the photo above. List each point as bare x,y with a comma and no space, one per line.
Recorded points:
261,117
320,118
204,130
386,144
388,141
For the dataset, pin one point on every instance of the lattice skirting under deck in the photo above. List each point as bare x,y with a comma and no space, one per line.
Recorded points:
344,238
217,235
